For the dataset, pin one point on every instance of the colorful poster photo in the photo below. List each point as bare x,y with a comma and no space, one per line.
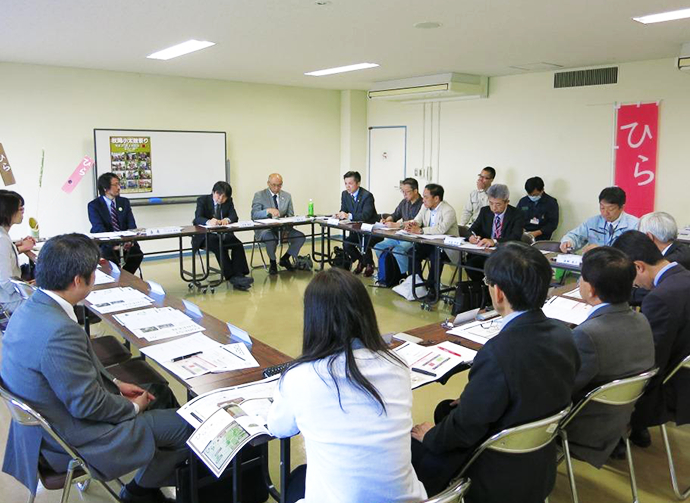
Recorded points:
130,160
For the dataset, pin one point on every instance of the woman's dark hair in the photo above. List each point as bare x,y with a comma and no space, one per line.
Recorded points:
522,272
534,183
338,310
10,203
104,181
63,258
610,272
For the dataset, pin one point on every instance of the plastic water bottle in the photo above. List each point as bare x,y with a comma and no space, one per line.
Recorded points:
310,208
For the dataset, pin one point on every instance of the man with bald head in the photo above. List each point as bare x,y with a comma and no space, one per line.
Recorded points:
274,202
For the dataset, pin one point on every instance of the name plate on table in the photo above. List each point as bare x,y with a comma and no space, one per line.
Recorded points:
333,221
243,223
569,259
367,227
454,241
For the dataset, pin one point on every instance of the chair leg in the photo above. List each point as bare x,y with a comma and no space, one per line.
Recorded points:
84,486
672,468
73,465
633,483
109,490
32,496
569,467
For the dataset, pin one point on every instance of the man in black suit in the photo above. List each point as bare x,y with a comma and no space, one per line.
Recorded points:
539,210
497,223
357,204
111,213
667,307
217,209
523,374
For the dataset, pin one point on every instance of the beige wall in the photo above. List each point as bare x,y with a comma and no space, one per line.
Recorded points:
526,128
295,131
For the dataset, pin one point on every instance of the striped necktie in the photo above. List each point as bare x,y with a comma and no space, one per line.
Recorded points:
498,224
113,217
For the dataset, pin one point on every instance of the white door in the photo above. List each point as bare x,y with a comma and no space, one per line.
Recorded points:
387,165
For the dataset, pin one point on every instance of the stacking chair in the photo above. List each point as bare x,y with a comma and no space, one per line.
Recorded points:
684,364
455,493
523,439
527,238
619,392
550,246
77,472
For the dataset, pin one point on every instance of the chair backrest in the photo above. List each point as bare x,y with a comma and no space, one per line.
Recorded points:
521,439
550,246
684,363
24,289
527,238
453,494
618,392
464,231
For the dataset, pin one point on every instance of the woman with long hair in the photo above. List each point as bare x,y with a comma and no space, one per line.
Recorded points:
350,397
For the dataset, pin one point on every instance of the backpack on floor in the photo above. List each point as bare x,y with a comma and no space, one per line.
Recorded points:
389,272
341,259
470,295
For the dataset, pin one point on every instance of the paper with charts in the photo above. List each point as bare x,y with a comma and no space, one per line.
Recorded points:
158,323
478,331
196,355
113,300
428,363
226,420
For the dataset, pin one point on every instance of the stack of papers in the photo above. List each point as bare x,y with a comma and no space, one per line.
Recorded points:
197,355
113,300
111,235
267,221
570,311
158,323
478,331
163,230
573,294
103,278
427,364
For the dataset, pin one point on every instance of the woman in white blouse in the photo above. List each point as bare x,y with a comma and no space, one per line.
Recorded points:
11,213
350,398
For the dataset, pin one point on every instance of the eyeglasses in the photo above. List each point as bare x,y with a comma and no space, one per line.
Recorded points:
489,324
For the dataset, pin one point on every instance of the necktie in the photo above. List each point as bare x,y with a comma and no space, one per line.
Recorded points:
275,200
611,231
216,211
498,223
113,217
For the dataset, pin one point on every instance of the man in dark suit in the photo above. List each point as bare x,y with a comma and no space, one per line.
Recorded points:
523,374
357,204
614,341
539,210
111,213
217,209
497,223
52,366
667,307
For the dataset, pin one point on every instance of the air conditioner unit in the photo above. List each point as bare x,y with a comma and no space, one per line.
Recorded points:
443,87
684,59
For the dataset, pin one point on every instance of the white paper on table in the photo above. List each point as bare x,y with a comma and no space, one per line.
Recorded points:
112,300
158,323
103,278
478,331
242,223
334,221
267,221
295,219
438,359
196,411
405,233
470,246
155,231
179,347
218,359
569,259
570,311
112,235
217,226
433,236
574,294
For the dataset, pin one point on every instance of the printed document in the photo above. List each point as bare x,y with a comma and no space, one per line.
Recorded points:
113,300
428,363
570,311
158,323
478,331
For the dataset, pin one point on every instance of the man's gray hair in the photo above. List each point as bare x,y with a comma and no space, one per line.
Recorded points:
498,191
661,225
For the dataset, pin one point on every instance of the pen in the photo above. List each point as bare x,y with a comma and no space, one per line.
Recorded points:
425,372
234,354
186,356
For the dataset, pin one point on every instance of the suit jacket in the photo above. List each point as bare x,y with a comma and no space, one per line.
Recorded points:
613,342
263,200
513,224
204,213
679,252
99,215
545,211
446,222
363,210
51,365
667,307
511,382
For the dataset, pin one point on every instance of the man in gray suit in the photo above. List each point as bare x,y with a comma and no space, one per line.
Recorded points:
613,342
274,202
48,361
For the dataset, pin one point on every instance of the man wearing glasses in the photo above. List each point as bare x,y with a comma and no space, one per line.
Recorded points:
478,198
112,213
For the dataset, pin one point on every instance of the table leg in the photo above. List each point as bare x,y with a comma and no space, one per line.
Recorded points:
284,467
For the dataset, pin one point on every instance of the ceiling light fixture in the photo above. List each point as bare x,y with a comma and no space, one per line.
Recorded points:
180,49
663,16
321,3
342,69
428,25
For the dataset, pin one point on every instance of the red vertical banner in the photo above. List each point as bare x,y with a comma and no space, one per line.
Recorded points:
636,147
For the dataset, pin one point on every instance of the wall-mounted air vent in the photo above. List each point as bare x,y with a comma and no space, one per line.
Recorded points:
579,78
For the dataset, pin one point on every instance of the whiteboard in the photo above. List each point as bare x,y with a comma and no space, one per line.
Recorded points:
155,165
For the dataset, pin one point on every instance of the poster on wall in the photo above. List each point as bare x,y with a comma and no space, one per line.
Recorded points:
636,149
130,160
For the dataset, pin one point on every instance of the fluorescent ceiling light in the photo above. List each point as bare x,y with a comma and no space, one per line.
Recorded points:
664,16
180,49
342,69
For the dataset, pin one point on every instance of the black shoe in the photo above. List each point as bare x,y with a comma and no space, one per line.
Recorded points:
619,451
285,263
273,268
369,271
359,268
151,496
242,282
641,438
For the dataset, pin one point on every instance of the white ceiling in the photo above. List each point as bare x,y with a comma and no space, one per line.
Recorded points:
276,41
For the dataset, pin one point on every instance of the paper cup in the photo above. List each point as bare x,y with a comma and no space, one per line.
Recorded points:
33,226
